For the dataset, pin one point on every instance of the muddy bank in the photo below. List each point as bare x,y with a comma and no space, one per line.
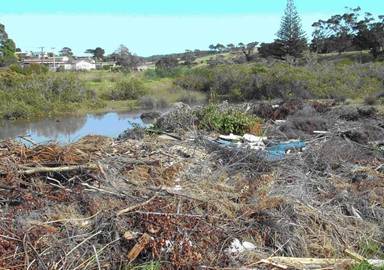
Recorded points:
178,196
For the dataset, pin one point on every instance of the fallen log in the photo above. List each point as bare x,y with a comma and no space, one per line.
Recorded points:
59,169
314,263
91,166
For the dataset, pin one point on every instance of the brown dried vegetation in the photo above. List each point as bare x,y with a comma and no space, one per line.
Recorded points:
192,197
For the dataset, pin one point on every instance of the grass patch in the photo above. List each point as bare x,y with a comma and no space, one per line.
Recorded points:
146,266
166,89
366,266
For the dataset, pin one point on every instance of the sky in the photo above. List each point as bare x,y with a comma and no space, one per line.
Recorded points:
150,27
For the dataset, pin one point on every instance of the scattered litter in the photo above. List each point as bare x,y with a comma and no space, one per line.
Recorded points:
279,122
321,132
254,139
237,247
231,137
272,152
279,150
380,169
190,198
167,137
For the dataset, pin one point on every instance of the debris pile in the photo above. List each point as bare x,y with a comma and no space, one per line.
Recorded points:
197,200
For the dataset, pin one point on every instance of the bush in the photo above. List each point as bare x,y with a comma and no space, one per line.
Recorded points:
31,95
130,88
370,100
107,67
158,73
30,69
196,80
213,119
280,80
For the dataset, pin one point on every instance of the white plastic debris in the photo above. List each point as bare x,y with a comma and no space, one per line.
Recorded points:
230,137
238,247
254,142
177,188
254,139
320,132
169,245
279,122
248,246
256,147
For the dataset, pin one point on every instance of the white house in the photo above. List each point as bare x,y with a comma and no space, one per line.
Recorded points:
84,65
60,62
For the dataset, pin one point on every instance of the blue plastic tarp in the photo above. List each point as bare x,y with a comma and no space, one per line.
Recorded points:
279,150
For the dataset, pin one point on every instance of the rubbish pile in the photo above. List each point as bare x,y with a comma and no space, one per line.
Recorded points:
269,150
195,200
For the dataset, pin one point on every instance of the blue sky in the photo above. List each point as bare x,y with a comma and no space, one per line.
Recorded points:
156,26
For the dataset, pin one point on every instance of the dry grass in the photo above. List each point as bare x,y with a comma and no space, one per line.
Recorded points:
193,197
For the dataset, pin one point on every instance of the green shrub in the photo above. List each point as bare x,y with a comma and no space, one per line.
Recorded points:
196,80
213,119
158,73
370,100
280,80
36,69
32,95
130,88
107,67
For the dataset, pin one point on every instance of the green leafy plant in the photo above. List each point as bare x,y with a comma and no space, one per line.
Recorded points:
366,266
129,88
229,121
147,266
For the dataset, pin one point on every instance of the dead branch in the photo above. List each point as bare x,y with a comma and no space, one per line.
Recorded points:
133,207
59,169
140,245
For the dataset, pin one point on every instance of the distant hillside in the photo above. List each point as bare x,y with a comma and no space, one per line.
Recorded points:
196,53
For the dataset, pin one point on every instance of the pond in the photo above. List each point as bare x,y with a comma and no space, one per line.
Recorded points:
71,128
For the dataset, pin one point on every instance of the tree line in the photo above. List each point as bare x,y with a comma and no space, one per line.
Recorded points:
341,32
350,31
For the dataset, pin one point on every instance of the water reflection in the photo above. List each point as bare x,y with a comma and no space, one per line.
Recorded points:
69,129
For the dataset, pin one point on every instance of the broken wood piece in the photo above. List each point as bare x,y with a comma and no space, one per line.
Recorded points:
128,235
59,169
140,245
167,137
316,263
281,266
310,262
355,256
91,166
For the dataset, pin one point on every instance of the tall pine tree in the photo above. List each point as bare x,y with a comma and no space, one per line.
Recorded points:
7,48
291,36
